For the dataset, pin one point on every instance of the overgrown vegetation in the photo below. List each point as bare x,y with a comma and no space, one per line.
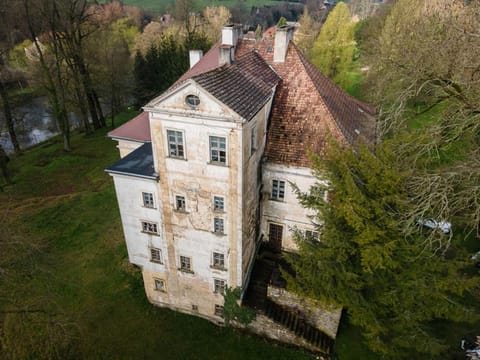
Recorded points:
411,289
67,289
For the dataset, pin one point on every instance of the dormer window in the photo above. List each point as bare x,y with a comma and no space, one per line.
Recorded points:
192,100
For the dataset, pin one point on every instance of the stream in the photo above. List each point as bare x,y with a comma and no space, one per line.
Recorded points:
34,123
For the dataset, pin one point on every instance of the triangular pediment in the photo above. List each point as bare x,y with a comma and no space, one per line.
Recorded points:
175,101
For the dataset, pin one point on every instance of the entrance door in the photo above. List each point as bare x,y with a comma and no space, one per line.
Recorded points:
275,237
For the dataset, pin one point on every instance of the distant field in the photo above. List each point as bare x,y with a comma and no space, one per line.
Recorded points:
163,6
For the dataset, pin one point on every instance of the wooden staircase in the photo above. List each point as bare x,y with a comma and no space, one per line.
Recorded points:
296,322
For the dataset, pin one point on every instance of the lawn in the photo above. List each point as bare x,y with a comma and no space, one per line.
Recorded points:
166,6
67,289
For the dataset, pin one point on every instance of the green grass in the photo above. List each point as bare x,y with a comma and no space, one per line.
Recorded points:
167,6
355,80
71,262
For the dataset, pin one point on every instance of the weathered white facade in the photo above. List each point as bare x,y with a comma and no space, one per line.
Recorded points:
285,211
197,186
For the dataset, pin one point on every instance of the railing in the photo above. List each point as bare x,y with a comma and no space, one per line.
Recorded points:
296,322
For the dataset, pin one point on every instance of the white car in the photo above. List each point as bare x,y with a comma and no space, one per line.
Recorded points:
444,226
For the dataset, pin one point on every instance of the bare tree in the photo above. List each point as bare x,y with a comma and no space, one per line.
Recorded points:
426,71
49,59
7,28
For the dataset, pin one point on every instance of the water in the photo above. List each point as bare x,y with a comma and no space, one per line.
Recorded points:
34,123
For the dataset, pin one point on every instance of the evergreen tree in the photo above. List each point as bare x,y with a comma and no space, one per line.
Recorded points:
163,64
390,284
334,48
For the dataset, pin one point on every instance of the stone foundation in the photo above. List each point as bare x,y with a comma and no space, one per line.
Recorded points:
326,319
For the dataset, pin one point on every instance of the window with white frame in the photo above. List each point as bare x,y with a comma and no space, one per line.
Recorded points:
218,150
175,144
218,226
218,260
149,227
180,203
310,234
148,200
253,139
160,285
219,286
218,310
156,255
278,190
218,203
185,263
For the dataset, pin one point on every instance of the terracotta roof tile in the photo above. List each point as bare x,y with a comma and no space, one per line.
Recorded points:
208,62
307,106
137,129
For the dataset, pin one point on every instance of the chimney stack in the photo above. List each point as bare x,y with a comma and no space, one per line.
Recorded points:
283,35
230,35
195,56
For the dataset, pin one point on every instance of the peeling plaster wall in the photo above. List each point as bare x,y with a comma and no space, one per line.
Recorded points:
288,212
190,232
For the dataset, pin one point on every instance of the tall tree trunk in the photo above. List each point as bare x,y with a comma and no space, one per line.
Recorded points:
8,118
82,107
87,86
99,108
55,95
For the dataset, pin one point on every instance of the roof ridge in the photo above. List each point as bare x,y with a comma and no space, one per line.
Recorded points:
332,95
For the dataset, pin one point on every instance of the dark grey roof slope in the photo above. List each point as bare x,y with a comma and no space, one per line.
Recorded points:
138,163
245,86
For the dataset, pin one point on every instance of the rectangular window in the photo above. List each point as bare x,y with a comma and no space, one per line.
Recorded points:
218,150
219,286
278,190
160,285
180,203
253,140
218,203
185,263
310,234
218,225
156,255
219,310
218,260
149,227
148,200
175,144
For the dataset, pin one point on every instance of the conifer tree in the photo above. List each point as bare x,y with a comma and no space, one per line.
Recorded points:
388,282
333,51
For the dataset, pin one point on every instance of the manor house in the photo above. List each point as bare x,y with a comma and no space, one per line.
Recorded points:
206,169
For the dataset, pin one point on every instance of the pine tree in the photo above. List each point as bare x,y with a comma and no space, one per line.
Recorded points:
333,51
390,284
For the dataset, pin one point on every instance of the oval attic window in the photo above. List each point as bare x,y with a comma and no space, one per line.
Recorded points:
192,100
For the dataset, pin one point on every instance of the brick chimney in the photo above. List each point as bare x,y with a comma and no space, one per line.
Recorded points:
230,35
283,35
195,56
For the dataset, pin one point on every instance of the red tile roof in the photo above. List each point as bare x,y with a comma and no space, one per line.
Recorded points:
208,62
307,105
137,129
307,108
